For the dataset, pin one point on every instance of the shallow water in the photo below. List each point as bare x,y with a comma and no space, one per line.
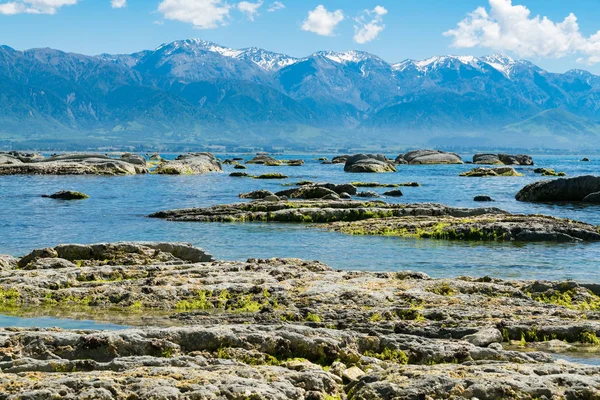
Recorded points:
50,322
118,208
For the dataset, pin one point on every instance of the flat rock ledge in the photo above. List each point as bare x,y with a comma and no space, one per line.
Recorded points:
288,329
433,221
15,163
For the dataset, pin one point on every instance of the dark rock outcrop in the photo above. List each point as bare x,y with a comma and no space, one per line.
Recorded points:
67,195
70,164
487,172
560,190
505,159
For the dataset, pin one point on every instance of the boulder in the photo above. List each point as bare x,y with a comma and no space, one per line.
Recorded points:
369,163
345,196
257,194
134,159
400,160
339,189
340,159
368,194
585,159
239,175
308,192
7,262
240,166
394,193
484,337
548,172
272,198
559,190
264,159
295,163
35,255
506,159
482,198
190,164
431,157
487,159
67,195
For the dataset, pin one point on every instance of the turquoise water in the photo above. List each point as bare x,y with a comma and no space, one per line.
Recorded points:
118,208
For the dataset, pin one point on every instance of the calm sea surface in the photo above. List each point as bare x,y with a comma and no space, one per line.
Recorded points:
118,208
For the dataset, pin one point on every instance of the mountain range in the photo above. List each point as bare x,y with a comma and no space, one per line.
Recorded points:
193,92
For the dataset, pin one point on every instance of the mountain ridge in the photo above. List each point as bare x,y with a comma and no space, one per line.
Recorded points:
196,92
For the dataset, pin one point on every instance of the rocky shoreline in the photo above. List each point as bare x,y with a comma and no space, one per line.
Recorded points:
288,329
432,221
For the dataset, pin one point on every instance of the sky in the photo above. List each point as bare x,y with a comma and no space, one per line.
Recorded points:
557,35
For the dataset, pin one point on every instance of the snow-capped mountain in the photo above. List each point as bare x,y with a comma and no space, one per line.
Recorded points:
198,90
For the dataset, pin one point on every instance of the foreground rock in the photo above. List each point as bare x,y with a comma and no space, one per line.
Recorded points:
190,164
433,221
71,164
370,163
560,190
502,159
489,172
288,329
430,157
68,195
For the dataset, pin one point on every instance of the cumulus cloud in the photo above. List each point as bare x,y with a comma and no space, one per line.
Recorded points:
118,3
34,6
508,27
203,14
369,25
250,9
276,6
322,22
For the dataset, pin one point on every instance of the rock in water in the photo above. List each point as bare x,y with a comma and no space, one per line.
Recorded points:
264,159
502,159
67,195
257,194
368,194
559,190
485,172
70,164
340,159
483,198
190,164
394,193
592,198
370,163
585,159
431,157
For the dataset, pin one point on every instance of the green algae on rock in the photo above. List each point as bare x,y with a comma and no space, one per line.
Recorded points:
487,172
288,328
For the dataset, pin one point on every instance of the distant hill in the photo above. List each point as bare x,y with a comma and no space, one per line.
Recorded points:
193,92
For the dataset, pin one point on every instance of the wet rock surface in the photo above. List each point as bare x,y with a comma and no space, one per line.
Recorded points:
15,163
288,329
67,195
560,190
490,172
190,164
433,221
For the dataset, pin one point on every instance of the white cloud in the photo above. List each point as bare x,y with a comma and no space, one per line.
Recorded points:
203,14
34,6
369,25
250,9
118,3
276,6
508,27
321,21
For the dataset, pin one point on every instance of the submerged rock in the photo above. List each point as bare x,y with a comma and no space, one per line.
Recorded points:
560,190
190,164
394,193
369,163
487,172
548,172
275,175
68,195
264,159
431,157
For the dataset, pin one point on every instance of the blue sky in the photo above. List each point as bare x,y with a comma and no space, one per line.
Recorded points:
393,29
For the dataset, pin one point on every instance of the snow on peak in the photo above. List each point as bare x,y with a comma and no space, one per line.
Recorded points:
500,62
351,56
267,60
